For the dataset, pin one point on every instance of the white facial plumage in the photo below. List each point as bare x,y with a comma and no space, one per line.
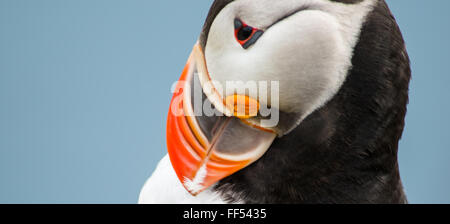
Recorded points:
307,46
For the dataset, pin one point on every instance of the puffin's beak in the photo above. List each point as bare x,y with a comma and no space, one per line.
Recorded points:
205,149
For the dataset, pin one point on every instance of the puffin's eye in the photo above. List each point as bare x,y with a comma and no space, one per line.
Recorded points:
246,35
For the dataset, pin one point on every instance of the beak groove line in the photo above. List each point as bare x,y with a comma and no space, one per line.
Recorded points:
200,162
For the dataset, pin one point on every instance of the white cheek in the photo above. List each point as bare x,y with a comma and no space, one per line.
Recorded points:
309,53
303,53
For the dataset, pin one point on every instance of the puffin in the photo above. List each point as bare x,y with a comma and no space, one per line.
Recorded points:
324,124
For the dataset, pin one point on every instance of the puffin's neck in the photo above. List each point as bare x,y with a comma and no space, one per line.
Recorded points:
345,152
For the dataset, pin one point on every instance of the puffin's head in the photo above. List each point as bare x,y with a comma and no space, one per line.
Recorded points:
258,70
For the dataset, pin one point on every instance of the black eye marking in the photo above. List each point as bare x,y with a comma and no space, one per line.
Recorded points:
246,35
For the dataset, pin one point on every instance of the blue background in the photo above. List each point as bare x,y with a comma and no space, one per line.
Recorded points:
85,88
